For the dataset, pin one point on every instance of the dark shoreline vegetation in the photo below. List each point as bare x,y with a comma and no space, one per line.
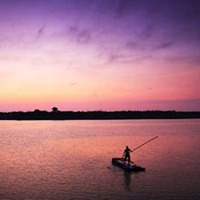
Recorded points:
96,115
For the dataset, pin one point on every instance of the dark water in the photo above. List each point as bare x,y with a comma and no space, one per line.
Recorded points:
72,159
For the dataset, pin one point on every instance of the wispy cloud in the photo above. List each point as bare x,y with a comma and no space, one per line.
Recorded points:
193,60
72,43
72,84
163,45
84,36
80,35
40,31
132,45
147,32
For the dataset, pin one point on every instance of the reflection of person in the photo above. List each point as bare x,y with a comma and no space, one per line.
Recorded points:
127,176
126,155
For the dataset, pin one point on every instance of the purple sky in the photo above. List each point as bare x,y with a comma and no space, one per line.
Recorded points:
100,54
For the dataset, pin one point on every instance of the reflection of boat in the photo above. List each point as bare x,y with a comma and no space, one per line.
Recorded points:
127,167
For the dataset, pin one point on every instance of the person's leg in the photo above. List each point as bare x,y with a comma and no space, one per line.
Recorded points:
125,159
129,160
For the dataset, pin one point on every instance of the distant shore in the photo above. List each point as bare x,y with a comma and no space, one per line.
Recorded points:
97,115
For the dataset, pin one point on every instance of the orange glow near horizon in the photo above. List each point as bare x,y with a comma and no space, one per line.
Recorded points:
78,65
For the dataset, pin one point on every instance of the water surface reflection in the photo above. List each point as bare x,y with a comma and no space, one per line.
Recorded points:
69,159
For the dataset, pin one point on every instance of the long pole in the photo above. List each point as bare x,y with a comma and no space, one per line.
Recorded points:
144,143
140,146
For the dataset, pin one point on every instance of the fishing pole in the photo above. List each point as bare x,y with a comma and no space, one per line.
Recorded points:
139,147
144,143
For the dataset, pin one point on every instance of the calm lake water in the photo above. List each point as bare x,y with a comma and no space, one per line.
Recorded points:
64,160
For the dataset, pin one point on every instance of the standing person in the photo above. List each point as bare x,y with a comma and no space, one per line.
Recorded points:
126,155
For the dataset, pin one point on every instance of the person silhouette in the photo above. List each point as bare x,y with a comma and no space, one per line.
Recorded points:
126,155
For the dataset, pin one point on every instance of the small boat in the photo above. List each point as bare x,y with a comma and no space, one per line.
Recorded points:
127,167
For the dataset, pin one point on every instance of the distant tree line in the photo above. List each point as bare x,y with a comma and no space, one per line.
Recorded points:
55,114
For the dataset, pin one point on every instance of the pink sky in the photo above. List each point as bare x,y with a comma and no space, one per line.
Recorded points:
100,55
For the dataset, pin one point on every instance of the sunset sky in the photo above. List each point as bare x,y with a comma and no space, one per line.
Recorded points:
100,54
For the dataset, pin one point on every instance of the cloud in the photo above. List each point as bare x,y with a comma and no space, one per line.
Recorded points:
163,45
127,58
134,45
193,60
72,84
114,57
40,31
82,36
147,32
